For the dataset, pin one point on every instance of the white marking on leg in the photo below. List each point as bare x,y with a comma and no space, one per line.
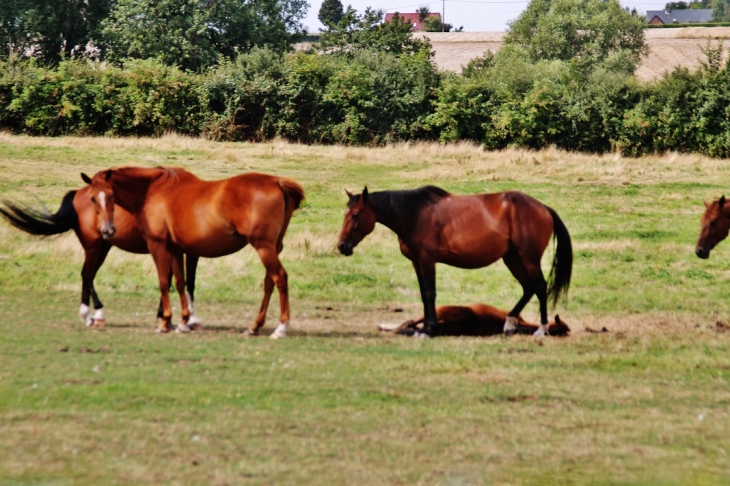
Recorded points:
510,325
541,331
98,319
280,331
84,313
182,328
194,321
190,302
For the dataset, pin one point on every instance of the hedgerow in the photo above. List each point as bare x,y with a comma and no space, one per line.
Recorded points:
373,98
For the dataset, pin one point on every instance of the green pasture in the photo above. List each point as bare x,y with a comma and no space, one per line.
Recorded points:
645,402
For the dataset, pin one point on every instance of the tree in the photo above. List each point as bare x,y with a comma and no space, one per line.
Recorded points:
51,29
692,5
368,31
331,12
193,33
423,13
434,24
586,32
721,11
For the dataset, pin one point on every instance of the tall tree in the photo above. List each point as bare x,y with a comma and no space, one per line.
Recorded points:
423,13
587,32
193,33
331,12
50,29
368,31
721,11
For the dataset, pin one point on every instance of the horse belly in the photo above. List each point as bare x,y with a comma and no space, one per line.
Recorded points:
217,247
475,256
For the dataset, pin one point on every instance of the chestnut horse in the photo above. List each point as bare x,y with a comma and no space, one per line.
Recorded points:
434,226
178,213
77,213
473,320
715,227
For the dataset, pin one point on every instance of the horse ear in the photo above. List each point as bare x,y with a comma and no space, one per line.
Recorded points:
108,175
349,194
365,195
85,178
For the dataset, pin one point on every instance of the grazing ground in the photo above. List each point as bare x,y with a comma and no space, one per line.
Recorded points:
668,48
645,402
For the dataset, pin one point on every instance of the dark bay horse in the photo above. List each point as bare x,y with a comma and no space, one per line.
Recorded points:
434,226
474,320
715,227
178,213
77,213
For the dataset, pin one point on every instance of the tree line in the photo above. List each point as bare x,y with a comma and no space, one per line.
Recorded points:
191,34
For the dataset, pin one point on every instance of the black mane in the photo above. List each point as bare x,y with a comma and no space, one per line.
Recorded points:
402,204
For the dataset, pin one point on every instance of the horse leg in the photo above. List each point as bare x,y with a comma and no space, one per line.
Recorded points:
93,259
161,309
178,270
275,275
191,267
426,273
163,262
529,274
515,265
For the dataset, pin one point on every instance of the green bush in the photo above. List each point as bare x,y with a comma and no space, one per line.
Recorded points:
373,98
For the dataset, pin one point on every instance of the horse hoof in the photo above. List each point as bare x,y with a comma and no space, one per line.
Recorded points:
279,332
195,324
421,335
97,323
250,333
182,329
162,330
510,332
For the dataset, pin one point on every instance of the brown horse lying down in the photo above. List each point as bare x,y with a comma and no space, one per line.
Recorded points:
474,320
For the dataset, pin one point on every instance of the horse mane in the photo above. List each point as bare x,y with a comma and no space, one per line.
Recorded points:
403,203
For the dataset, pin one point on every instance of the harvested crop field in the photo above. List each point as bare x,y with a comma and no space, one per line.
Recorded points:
668,48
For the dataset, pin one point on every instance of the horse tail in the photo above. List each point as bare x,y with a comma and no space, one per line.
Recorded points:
292,190
559,279
41,222
294,194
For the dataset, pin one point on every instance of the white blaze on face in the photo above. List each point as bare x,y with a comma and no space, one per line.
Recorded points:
102,201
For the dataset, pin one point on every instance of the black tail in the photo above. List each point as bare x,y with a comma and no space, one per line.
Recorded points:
41,222
559,279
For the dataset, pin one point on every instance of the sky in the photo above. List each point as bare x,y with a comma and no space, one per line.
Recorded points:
473,15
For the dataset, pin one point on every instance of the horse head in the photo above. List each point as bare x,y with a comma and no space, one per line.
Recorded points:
102,196
715,227
359,222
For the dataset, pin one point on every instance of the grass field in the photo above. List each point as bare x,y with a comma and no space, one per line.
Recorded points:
338,403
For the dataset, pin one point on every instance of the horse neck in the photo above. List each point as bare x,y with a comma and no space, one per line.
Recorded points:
389,213
131,186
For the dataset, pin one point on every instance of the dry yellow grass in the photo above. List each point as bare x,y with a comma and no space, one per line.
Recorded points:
668,48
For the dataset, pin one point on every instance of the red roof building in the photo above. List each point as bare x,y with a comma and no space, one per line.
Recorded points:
416,24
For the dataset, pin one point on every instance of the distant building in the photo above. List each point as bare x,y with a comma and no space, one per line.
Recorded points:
688,16
416,25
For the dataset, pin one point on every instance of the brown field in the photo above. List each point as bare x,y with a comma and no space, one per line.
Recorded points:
668,48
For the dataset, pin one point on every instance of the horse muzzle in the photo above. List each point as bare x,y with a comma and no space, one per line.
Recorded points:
344,248
108,232
702,253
